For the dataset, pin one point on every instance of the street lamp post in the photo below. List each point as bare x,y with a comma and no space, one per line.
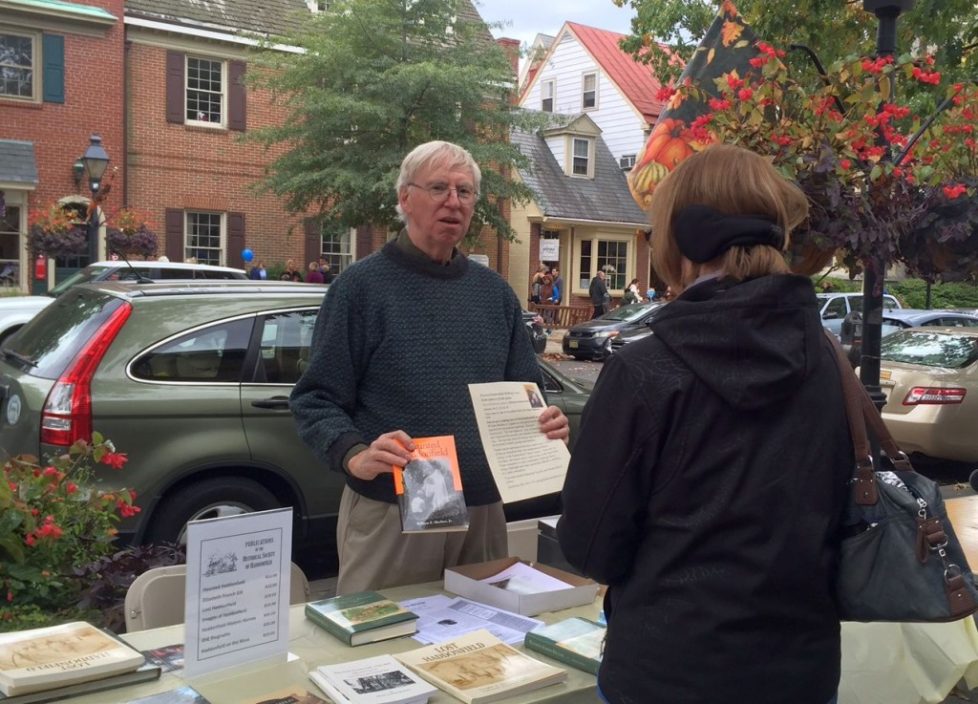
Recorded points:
887,12
94,160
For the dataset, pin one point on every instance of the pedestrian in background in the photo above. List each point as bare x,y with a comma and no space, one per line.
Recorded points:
314,276
290,273
536,284
631,294
399,338
325,270
699,489
598,291
258,271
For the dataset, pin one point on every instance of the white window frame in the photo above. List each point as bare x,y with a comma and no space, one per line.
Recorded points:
347,256
627,161
595,238
36,66
548,91
572,142
584,91
223,225
222,124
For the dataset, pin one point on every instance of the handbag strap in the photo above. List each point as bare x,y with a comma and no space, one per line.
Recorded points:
860,413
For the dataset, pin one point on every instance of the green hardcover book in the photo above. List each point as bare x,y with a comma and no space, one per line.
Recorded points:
574,641
364,617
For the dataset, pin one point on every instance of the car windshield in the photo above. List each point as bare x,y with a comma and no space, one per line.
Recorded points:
629,313
930,349
52,339
82,276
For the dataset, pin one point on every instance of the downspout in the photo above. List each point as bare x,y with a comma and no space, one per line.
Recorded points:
125,121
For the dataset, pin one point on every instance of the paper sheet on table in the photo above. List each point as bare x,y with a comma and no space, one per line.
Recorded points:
905,663
523,461
523,579
442,618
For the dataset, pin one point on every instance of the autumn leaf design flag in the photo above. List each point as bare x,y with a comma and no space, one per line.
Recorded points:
682,128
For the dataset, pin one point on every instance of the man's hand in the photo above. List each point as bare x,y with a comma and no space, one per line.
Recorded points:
554,424
389,449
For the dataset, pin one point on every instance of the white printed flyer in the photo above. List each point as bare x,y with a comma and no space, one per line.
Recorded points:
238,584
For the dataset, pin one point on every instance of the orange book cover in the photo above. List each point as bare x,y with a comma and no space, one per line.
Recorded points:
429,488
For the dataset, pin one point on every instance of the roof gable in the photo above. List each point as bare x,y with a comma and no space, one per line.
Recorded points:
634,80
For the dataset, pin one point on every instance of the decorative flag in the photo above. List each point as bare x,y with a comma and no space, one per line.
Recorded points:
726,50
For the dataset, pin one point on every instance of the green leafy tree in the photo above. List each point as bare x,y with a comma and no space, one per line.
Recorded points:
376,78
833,30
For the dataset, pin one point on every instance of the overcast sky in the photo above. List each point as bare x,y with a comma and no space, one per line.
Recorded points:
527,18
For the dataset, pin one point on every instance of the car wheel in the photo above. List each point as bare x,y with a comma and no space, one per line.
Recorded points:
212,498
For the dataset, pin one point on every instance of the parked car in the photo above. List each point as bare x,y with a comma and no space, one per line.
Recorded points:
901,319
192,380
834,307
592,340
930,377
15,311
634,334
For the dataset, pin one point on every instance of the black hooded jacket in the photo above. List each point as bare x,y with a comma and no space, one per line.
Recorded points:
706,489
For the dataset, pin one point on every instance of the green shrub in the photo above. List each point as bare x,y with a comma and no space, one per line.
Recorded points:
912,293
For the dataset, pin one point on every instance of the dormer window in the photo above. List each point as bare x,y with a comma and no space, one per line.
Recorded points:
582,157
589,91
547,96
317,5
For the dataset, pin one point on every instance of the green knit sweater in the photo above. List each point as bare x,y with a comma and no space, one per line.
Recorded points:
398,339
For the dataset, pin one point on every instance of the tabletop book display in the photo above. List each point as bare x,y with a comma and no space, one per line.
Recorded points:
72,654
479,668
575,641
377,680
364,617
429,488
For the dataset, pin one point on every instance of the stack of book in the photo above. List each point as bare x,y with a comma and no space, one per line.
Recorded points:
575,641
479,668
364,617
379,680
43,664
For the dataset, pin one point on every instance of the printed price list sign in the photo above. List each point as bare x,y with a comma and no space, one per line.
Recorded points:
238,584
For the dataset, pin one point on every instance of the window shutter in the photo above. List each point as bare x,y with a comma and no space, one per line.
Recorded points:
174,235
236,239
53,74
175,95
313,239
237,96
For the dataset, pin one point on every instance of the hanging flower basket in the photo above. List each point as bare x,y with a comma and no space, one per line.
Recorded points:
131,235
943,244
56,233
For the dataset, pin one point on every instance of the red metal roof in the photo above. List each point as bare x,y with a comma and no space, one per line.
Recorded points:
634,79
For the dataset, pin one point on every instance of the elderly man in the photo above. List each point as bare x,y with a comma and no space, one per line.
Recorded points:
600,297
399,337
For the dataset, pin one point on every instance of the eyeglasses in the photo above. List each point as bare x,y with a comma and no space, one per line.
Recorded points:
439,192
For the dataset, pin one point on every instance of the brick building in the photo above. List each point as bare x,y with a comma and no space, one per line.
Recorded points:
61,80
163,82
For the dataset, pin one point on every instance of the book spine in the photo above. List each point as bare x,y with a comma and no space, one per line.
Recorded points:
329,626
552,650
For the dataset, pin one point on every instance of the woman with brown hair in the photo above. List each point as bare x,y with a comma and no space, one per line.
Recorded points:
708,479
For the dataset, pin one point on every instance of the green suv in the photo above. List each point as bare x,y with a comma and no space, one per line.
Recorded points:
192,380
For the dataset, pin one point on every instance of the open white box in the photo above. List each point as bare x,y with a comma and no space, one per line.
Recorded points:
464,580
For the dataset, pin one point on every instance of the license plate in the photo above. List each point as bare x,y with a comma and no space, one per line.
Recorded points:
572,344
885,374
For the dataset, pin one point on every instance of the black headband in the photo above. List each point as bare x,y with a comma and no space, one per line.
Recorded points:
703,234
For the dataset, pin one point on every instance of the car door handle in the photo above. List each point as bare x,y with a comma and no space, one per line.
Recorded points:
278,403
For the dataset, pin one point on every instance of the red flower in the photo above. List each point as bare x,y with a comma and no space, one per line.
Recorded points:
30,540
13,486
734,82
955,191
71,487
10,596
116,460
49,530
665,93
745,94
719,105
845,164
758,61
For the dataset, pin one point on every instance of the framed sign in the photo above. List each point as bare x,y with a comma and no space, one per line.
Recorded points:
549,250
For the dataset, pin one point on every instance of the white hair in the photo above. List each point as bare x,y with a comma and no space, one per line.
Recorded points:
435,152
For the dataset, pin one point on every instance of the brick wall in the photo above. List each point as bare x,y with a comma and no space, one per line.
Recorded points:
201,168
93,104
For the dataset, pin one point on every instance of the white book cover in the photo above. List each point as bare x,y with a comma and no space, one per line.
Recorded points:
377,680
47,658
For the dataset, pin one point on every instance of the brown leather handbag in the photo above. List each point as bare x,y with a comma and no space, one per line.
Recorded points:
900,559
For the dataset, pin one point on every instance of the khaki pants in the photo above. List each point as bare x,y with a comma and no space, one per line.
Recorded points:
374,554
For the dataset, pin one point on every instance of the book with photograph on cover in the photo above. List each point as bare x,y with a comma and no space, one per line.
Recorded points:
57,656
575,641
429,488
363,617
377,680
168,657
479,668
